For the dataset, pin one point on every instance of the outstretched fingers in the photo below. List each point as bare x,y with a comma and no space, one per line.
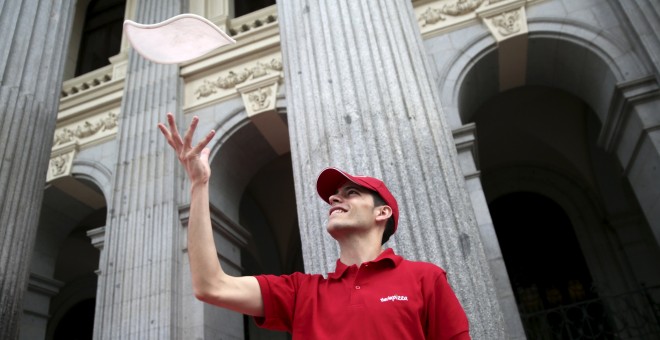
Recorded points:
175,137
184,146
187,138
202,143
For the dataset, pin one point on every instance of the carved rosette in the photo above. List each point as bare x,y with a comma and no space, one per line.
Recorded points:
83,133
259,95
447,12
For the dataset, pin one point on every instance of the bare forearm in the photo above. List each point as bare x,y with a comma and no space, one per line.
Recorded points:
204,265
210,283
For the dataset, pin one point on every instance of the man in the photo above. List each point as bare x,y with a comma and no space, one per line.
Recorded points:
373,293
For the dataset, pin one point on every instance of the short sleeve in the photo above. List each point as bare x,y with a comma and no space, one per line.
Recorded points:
279,298
446,317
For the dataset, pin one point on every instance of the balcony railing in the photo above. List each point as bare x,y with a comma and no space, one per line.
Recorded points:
633,315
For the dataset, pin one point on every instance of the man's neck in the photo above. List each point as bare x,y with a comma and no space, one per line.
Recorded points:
355,252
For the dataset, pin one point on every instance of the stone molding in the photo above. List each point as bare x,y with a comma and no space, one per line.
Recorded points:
250,22
97,237
44,285
465,139
626,96
90,81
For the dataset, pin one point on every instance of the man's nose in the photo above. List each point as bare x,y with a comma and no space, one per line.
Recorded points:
334,198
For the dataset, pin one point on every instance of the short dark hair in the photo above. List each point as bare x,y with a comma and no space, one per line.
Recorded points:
389,226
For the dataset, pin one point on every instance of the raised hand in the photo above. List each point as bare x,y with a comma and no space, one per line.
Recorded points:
194,159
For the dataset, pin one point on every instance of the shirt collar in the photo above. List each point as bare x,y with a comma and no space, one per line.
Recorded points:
386,257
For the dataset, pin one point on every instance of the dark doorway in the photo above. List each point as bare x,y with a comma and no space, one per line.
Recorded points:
78,322
549,276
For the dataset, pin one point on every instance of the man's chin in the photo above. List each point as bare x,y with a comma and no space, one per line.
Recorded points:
337,230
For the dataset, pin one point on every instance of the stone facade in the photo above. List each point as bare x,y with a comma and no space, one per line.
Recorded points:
458,103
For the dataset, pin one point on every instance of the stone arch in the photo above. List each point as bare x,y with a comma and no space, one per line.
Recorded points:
588,62
474,69
96,173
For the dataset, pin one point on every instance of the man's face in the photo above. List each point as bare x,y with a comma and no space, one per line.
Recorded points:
351,210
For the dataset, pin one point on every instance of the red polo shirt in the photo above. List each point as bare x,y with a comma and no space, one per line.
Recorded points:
388,298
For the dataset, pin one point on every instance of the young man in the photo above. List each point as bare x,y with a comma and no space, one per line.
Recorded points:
373,293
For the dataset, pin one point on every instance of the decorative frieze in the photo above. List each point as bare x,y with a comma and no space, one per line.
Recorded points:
439,10
222,85
233,78
85,129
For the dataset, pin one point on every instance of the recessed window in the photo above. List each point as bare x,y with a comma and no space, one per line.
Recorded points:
101,35
243,7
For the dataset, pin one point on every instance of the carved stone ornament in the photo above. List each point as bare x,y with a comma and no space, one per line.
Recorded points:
233,78
60,165
259,95
260,99
454,8
85,129
461,7
505,20
431,16
507,23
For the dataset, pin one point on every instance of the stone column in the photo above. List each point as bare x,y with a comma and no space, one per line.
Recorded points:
642,19
360,98
139,269
32,50
632,129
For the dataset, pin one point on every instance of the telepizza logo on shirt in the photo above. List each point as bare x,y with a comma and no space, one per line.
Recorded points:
394,298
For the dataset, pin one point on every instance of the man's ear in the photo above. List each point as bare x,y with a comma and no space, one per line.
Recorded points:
384,212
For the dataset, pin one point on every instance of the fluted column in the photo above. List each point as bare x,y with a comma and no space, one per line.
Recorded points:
35,35
360,97
142,253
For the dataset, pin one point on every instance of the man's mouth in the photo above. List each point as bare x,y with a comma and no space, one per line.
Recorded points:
336,211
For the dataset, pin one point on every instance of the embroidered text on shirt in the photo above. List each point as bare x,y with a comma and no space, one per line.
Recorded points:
394,298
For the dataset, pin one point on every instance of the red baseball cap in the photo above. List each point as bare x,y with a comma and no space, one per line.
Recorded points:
330,179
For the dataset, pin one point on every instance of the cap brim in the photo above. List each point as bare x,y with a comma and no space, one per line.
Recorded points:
329,180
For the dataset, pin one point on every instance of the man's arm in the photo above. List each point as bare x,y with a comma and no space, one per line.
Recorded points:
210,283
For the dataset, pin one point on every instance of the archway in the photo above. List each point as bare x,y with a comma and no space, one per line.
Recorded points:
64,261
542,140
253,186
